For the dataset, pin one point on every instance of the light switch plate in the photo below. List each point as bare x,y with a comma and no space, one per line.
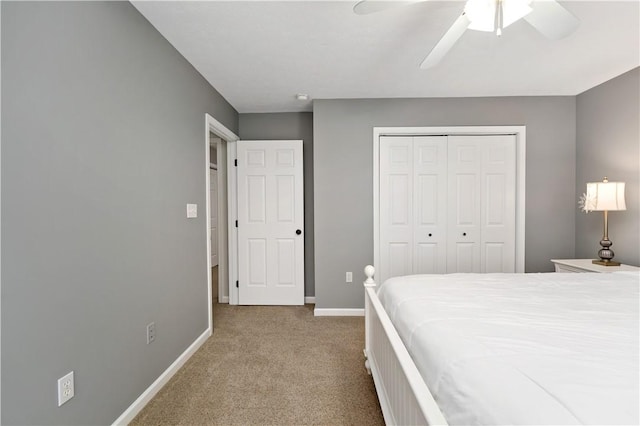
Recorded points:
192,211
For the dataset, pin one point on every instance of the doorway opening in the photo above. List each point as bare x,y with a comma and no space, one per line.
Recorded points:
218,203
220,212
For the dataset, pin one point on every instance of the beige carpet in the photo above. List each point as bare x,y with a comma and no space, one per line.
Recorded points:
271,366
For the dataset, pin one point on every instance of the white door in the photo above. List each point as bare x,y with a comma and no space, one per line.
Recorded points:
270,223
413,173
447,204
498,204
213,201
464,204
396,206
482,203
430,204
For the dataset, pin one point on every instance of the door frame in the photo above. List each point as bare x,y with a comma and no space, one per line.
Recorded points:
518,131
229,138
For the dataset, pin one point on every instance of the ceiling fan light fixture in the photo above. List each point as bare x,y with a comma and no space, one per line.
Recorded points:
514,10
482,13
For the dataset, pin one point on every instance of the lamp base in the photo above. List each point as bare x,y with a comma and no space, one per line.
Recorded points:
605,262
605,253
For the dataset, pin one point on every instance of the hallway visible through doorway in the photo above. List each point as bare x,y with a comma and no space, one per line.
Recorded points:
214,285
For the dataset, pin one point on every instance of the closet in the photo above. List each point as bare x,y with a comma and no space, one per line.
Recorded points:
447,204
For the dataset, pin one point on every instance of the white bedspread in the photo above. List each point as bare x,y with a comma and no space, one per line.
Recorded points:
523,348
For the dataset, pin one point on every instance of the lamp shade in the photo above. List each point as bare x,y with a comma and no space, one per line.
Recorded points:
606,196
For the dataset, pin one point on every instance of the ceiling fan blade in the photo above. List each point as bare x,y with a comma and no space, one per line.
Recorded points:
551,19
366,7
446,42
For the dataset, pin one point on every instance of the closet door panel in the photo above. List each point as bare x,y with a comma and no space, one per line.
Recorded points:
427,200
498,203
430,205
465,258
465,200
463,230
493,255
399,187
396,206
399,259
494,200
428,258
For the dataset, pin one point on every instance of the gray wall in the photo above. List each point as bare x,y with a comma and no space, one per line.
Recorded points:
343,175
103,133
608,141
290,126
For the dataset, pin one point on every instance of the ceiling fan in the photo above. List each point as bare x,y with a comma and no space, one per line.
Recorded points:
547,16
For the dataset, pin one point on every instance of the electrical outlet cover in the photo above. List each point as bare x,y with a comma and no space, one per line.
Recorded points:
66,388
151,332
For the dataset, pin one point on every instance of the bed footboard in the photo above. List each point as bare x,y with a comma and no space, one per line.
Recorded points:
403,394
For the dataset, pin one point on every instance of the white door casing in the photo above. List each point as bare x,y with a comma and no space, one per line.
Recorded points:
270,223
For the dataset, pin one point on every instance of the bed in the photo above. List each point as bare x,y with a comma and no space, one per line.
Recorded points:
505,348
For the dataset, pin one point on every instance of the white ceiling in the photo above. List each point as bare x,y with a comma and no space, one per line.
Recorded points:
259,54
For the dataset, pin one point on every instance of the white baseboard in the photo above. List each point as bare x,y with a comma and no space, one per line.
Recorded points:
146,396
307,300
320,312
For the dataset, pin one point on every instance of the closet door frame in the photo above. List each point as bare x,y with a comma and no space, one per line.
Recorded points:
518,131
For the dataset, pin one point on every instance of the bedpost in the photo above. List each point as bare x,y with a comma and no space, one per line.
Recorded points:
369,283
369,271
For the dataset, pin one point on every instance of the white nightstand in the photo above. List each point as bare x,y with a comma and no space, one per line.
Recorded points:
585,265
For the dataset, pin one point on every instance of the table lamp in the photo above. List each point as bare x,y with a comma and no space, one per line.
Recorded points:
605,196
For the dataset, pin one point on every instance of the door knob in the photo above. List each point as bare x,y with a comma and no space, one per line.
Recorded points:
429,233
464,234
298,232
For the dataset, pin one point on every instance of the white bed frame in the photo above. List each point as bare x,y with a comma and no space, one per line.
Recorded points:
404,397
